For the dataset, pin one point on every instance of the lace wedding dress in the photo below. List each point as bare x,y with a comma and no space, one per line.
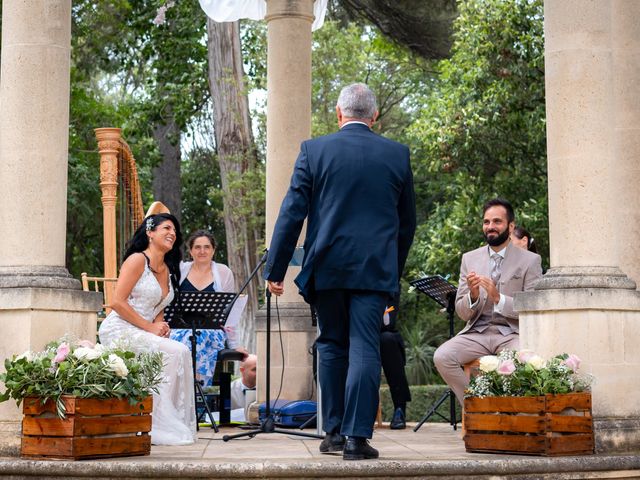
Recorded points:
173,416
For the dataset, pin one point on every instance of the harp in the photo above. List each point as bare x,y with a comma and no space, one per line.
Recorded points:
122,210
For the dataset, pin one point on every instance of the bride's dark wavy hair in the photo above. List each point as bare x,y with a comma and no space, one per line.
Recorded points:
140,241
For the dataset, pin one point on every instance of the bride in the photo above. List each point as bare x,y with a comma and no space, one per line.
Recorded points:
143,290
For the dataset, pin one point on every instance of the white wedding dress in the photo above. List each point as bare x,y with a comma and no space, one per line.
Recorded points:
173,415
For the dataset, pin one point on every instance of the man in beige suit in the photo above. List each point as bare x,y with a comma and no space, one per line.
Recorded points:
489,277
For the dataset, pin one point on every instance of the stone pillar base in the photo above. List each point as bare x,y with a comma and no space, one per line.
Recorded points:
298,335
30,318
585,277
10,432
617,434
602,327
40,276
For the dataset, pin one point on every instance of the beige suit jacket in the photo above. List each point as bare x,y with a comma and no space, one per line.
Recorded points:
520,271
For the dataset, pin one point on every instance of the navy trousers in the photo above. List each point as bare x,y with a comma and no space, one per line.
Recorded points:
349,349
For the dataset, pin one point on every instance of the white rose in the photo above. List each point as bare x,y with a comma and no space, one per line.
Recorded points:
117,365
28,355
84,353
537,362
489,363
99,348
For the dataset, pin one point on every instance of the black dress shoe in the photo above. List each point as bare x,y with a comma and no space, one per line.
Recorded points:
398,422
358,448
333,442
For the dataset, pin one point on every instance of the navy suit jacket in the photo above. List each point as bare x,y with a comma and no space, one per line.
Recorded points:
356,190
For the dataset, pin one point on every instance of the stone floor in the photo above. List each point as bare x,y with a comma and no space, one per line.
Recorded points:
435,451
430,442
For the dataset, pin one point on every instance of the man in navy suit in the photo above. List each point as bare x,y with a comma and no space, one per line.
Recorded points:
355,189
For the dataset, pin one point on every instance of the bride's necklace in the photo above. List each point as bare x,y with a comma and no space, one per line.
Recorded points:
153,270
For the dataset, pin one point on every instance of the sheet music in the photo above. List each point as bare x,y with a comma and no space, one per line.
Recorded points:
236,312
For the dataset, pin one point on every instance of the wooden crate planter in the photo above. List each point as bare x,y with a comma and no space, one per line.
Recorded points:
94,428
546,425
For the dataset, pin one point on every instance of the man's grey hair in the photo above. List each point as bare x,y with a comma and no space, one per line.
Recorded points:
357,101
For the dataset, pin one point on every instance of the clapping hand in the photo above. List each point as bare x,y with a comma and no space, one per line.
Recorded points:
475,281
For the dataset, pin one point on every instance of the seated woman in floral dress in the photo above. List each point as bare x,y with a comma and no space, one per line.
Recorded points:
204,275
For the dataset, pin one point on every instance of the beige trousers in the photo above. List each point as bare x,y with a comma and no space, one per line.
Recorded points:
464,348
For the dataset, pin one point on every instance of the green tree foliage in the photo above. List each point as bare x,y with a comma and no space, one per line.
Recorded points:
128,72
94,103
84,211
202,198
481,132
347,53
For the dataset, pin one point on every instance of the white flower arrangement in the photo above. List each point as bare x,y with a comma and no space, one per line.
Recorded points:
524,373
81,369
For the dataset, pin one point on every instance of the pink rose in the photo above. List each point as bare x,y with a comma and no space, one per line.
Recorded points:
506,367
573,362
61,352
525,355
85,343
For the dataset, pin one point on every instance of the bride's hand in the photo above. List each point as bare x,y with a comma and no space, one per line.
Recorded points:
160,329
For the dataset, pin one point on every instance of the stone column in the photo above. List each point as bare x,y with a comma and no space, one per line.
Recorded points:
626,133
39,300
586,304
288,124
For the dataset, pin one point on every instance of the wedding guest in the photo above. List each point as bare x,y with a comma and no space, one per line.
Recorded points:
145,286
246,382
355,189
490,276
394,360
202,274
523,239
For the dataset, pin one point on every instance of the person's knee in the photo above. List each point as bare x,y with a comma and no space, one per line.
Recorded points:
438,358
444,357
176,349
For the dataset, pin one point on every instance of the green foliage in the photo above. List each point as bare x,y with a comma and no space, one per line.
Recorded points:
525,374
202,206
89,109
422,334
423,397
253,39
128,72
347,53
481,133
83,370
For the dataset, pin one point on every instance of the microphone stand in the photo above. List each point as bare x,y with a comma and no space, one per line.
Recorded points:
199,392
268,424
230,305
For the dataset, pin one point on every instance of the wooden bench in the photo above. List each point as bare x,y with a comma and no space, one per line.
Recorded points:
471,369
99,284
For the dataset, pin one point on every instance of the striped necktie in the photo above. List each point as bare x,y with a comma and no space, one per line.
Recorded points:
495,268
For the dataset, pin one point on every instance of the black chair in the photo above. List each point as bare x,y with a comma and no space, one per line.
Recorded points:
222,379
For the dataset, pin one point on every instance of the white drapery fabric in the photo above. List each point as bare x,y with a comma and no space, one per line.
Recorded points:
232,10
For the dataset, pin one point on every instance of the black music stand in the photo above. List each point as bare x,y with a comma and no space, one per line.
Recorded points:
268,424
199,311
438,289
